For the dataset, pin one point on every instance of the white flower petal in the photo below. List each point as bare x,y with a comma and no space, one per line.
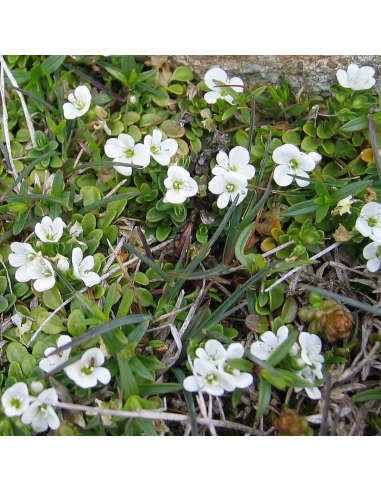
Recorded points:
141,156
282,175
126,141
239,156
235,351
112,148
211,97
285,153
190,384
243,380
70,111
373,264
261,350
123,170
215,74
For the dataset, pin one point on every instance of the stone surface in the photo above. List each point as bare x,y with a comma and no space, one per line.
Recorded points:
313,72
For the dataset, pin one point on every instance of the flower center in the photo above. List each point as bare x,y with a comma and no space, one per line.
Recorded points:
79,104
231,370
44,269
155,149
373,221
212,379
129,153
177,185
51,234
294,164
230,188
17,401
378,252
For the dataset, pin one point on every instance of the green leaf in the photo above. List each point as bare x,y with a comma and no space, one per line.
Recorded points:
367,395
53,63
118,75
241,364
138,367
306,207
16,352
264,397
159,388
352,189
182,74
356,124
128,382
128,64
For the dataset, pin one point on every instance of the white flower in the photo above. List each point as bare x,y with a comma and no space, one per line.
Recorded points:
15,400
356,78
23,256
270,342
123,149
79,103
86,372
161,151
209,379
53,361
228,186
237,161
179,185
369,222
43,275
307,374
241,379
310,345
343,206
213,352
219,75
48,230
40,413
291,161
372,253
82,267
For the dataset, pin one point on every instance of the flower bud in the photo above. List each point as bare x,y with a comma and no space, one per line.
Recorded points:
36,387
63,265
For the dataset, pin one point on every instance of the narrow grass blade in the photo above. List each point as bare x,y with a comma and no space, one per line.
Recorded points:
104,201
132,319
36,98
372,133
150,263
93,81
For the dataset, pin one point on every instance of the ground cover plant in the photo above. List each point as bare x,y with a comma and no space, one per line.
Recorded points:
187,257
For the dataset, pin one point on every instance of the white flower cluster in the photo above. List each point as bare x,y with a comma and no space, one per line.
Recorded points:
214,373
85,372
306,354
369,225
40,414
32,265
